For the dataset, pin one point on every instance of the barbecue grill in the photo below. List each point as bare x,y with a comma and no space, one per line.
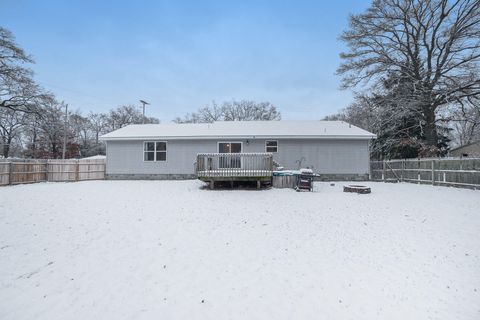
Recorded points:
305,180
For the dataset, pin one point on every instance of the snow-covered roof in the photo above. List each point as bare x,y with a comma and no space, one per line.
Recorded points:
241,129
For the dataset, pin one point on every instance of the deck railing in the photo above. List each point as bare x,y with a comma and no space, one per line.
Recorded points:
234,165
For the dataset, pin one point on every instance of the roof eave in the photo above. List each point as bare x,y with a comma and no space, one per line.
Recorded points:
335,137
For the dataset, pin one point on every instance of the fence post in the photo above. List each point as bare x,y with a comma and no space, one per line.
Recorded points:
46,170
105,169
76,170
403,170
383,171
433,172
418,172
10,172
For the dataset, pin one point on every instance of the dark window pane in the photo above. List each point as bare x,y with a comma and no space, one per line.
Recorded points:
149,156
271,146
161,156
272,143
224,147
149,146
161,146
235,147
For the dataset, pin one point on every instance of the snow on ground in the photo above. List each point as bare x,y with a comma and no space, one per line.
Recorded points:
170,250
97,157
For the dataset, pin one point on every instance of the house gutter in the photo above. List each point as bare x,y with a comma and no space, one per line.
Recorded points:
243,137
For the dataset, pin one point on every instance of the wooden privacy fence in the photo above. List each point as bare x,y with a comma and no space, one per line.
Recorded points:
28,171
447,172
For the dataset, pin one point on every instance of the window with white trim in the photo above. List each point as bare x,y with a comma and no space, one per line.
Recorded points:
271,146
155,151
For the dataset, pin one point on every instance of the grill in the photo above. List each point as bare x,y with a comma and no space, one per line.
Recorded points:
305,180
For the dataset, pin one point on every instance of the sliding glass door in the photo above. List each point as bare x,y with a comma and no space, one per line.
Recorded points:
230,161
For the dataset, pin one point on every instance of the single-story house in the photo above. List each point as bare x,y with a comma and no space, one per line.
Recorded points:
471,150
333,149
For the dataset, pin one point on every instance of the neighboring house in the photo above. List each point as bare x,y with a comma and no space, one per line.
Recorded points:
335,149
471,150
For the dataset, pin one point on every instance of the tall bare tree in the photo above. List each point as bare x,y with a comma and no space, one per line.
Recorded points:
18,91
434,45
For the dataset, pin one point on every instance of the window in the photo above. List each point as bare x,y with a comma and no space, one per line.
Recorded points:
155,151
271,146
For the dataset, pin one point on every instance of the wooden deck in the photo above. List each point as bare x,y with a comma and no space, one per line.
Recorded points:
234,167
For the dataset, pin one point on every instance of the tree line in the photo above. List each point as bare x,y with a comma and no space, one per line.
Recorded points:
243,110
417,65
34,124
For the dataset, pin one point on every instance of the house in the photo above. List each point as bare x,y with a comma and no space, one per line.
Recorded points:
334,149
471,150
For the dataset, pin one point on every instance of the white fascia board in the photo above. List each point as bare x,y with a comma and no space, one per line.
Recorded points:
336,137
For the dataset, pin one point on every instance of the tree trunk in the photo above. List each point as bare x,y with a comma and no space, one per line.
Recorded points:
431,135
54,150
6,147
6,150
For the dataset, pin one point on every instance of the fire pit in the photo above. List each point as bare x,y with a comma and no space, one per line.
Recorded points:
357,189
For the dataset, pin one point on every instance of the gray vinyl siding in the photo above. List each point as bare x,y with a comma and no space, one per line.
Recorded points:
324,156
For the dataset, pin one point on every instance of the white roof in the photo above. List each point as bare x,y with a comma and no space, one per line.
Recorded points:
240,129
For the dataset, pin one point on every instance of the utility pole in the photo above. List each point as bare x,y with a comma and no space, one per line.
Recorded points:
143,102
65,132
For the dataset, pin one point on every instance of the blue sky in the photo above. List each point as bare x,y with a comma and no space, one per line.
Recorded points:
181,55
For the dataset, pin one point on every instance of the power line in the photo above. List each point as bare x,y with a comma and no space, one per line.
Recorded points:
76,92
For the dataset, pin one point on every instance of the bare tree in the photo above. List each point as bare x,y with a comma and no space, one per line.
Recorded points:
11,123
81,129
206,114
125,115
434,45
244,110
97,123
465,122
31,134
18,91
52,129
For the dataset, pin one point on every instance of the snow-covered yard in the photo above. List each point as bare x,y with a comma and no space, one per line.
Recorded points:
170,250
